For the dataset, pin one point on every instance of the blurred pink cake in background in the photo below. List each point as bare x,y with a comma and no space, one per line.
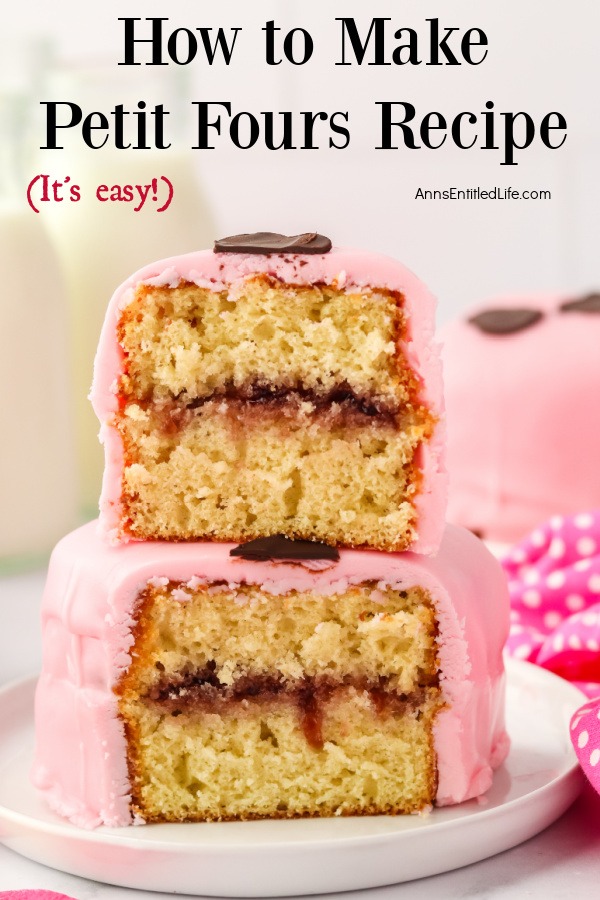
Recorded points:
522,382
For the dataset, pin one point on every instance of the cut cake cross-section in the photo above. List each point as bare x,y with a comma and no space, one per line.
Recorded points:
248,394
192,685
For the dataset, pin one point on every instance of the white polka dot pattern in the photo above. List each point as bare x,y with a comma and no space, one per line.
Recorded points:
554,584
586,546
585,735
574,602
557,548
556,579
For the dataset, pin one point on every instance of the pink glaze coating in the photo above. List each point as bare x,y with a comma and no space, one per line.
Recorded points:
523,426
87,612
348,269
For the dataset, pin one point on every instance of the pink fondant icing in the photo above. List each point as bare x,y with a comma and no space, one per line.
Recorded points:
347,268
87,619
523,428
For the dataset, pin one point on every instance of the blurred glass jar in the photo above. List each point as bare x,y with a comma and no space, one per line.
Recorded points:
38,490
101,243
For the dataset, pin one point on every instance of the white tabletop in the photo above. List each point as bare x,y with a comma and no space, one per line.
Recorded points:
563,861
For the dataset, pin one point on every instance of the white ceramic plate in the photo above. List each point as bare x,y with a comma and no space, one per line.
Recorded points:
534,787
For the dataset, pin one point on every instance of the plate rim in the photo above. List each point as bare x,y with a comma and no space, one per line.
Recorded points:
126,835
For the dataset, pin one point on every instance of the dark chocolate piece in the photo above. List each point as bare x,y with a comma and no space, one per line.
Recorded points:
270,242
505,321
263,394
591,303
278,546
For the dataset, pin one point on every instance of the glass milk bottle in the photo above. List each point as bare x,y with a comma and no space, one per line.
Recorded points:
38,488
101,243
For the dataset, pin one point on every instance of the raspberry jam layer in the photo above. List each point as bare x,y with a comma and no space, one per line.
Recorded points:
203,692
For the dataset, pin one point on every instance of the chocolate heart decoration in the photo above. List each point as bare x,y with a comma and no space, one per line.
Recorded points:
590,303
505,321
278,546
270,242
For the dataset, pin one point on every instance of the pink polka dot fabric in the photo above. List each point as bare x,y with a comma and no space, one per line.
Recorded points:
554,583
33,895
585,734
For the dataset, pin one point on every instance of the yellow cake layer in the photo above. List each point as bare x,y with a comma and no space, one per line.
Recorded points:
235,471
189,342
366,632
241,704
254,761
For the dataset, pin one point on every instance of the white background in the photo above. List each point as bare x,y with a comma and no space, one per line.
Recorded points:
543,57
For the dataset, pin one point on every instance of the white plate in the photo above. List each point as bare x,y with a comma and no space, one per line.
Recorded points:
534,787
